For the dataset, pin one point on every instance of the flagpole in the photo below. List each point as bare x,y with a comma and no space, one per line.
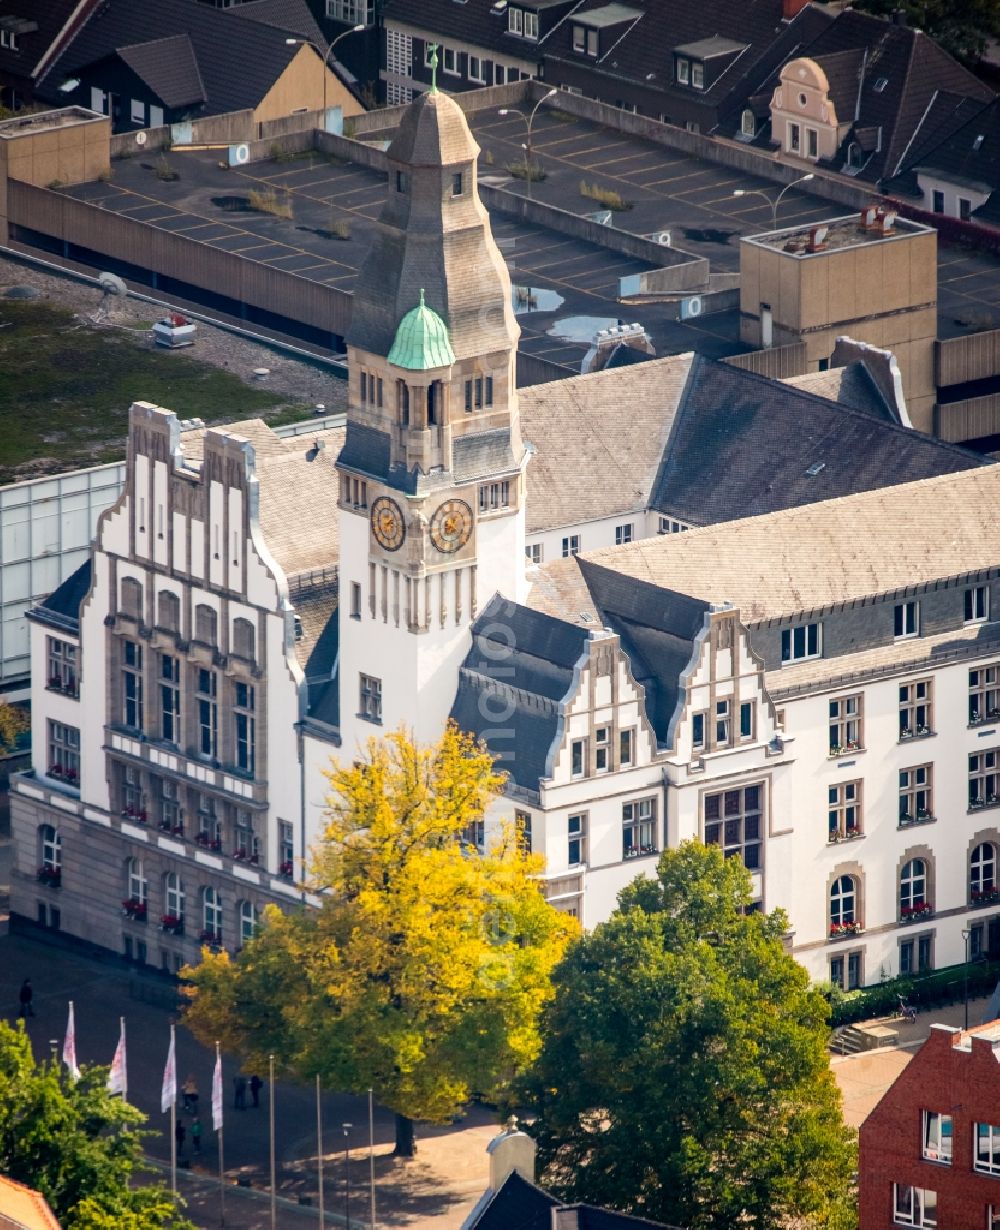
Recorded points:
173,1126
270,1103
371,1152
222,1164
319,1151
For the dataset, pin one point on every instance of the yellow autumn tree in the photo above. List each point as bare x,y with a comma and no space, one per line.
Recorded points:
423,972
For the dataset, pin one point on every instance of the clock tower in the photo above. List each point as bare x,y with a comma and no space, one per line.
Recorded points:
432,471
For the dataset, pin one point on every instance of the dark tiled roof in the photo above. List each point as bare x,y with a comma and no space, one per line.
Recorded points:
63,604
518,1205
478,455
945,115
843,70
50,16
475,22
970,153
742,445
169,68
239,61
287,15
366,449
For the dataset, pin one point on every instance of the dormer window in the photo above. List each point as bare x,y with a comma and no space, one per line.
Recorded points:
697,74
585,41
8,40
748,123
683,71
523,23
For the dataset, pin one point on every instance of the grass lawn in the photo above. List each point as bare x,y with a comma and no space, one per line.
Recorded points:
65,390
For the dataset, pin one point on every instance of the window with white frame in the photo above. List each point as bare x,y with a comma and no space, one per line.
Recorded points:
852,961
576,843
626,748
352,12
682,71
244,701
138,112
474,834
698,725
987,1156
977,604
844,809
50,848
639,828
812,143
906,620
733,819
983,872
61,669
207,704
571,545
475,69
667,525
515,21
723,723
531,25
984,695
248,921
846,724
578,757
64,752
912,886
983,784
8,40
247,846
170,807
371,699
913,1206
748,123
449,62
494,496
211,920
174,895
916,800
286,844
916,708
794,138
937,1137
602,749
136,886
748,721
697,75
802,642
623,533
132,708
843,902
533,552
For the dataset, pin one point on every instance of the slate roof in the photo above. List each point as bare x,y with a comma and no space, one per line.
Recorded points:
818,555
520,1205
968,152
168,66
318,649
475,22
62,606
287,15
51,17
238,60
850,386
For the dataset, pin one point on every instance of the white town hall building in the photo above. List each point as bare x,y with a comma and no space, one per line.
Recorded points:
815,688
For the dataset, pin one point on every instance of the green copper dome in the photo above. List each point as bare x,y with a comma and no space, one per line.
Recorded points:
421,340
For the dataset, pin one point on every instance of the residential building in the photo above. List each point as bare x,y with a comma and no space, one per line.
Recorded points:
928,1153
31,34
22,1208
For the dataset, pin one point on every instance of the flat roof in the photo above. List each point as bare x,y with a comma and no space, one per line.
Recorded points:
47,121
706,48
834,234
608,15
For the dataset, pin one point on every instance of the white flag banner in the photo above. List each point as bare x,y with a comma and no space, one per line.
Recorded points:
117,1076
168,1095
69,1046
217,1093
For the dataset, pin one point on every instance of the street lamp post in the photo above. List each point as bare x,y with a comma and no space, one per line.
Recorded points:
966,936
529,119
347,1173
293,42
802,179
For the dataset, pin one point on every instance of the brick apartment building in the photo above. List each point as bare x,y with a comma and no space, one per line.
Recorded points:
930,1150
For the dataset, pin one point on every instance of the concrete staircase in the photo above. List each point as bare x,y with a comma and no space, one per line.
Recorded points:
853,1039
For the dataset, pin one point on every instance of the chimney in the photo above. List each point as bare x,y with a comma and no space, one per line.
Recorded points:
607,341
792,8
513,1150
566,1218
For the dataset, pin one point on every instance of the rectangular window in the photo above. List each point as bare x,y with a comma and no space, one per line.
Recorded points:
244,696
494,496
723,727
987,1159
499,74
522,828
983,779
138,112
977,604
456,184
854,979
925,953
697,74
683,71
514,21
626,747
906,620
748,721
593,43
61,669
698,731
623,534
937,201
533,552
964,208
916,708
352,12
578,757
914,1206
155,121
937,1137
794,138
812,143
371,699
845,724
247,844
8,39
837,971
531,25
208,713
844,810
638,828
602,749
132,685
287,846
579,40
576,845
170,698
355,600
402,182
571,545
475,70
800,643
449,61
667,525
916,800
733,819
984,695
64,752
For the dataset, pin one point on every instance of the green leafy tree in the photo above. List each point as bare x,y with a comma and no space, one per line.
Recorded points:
13,724
76,1143
423,972
684,1075
961,27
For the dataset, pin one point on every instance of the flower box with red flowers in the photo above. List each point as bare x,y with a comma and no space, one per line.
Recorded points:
178,830
286,869
984,896
911,913
171,922
135,909
52,876
212,938
136,814
840,930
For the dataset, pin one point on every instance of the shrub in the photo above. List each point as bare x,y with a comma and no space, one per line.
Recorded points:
166,172
604,196
267,201
340,228
525,170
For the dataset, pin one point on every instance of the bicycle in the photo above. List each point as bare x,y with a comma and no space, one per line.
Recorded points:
906,1012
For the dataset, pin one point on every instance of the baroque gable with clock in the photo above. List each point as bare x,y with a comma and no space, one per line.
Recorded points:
431,474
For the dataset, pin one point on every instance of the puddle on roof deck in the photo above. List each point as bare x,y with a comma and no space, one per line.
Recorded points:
534,299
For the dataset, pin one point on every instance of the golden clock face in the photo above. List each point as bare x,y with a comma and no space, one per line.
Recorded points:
451,526
387,523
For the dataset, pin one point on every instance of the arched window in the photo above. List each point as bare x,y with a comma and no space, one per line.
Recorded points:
854,155
136,888
211,914
843,902
912,886
168,611
173,896
248,921
131,597
748,123
50,848
983,871
243,639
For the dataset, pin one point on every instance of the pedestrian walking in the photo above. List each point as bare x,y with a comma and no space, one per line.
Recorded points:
239,1092
196,1136
256,1084
180,1133
190,1091
24,997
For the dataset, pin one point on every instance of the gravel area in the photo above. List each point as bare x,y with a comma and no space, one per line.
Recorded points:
301,382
